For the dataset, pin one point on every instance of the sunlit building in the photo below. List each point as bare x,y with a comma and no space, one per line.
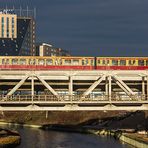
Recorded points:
17,33
45,49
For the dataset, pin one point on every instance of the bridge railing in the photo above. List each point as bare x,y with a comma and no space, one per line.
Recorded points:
71,98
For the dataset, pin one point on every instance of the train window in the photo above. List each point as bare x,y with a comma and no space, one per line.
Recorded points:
3,61
115,62
131,62
92,62
103,62
49,62
99,62
41,62
107,62
32,62
60,61
122,62
56,62
7,61
14,61
67,62
146,62
140,62
85,62
23,61
75,62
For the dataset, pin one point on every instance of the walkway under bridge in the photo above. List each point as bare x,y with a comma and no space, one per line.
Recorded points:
73,90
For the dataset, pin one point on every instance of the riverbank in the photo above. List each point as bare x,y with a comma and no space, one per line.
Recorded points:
9,138
136,140
130,137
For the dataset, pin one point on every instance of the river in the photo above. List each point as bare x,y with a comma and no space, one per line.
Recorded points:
37,138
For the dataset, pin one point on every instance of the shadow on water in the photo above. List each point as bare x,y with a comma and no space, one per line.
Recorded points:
38,138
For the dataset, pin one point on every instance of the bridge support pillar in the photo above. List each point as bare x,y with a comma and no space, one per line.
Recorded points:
143,86
147,88
70,85
32,86
110,88
46,114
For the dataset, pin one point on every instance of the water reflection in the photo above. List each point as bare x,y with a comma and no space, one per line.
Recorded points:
37,138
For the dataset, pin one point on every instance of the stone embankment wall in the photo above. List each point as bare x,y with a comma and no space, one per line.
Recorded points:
131,139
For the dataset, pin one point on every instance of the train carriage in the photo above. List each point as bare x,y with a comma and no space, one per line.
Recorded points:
121,63
47,63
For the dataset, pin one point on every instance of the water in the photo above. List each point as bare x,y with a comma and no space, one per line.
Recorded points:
37,138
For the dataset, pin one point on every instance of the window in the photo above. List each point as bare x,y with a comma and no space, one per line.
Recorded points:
7,61
146,62
2,27
12,27
49,62
122,62
22,62
115,62
67,62
86,62
32,61
92,62
98,62
3,61
7,27
14,61
75,62
105,62
131,62
41,62
140,62
2,20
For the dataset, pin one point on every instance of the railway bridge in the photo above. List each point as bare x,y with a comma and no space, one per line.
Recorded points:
57,90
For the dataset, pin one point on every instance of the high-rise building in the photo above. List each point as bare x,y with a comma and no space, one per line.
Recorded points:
17,32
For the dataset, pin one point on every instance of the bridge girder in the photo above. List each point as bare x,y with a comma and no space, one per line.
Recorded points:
100,80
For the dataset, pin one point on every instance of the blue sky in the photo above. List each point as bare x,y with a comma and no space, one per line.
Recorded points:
91,27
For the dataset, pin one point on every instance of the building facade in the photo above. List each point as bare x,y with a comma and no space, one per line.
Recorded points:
17,34
8,26
45,49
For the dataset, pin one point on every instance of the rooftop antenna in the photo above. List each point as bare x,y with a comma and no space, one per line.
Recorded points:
27,11
20,10
6,9
34,12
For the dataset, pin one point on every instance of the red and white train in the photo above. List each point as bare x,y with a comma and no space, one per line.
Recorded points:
73,63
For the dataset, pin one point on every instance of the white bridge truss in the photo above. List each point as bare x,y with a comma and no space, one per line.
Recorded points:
84,90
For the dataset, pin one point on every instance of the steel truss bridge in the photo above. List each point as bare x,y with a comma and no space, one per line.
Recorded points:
73,90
